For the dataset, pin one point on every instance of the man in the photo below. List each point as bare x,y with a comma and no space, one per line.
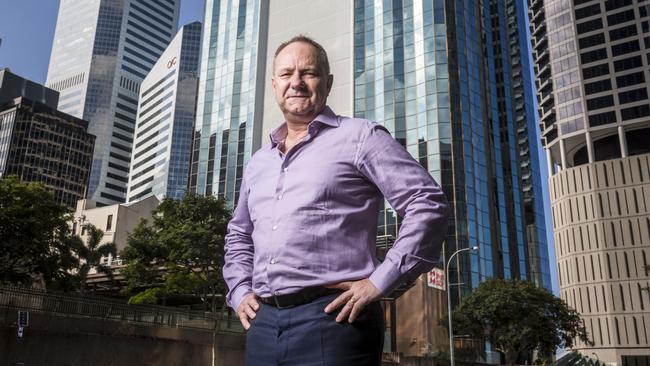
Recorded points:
300,251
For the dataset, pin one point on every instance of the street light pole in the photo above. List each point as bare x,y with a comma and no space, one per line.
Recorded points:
451,330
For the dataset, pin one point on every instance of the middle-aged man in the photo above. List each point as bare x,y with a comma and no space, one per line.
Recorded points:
300,251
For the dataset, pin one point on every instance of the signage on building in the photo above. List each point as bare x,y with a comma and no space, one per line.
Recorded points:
171,63
436,279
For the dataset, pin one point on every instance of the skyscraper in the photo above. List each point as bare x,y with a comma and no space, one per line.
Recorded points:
102,51
39,143
447,78
591,63
163,132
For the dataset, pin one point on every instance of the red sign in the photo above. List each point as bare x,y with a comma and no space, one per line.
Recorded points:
436,279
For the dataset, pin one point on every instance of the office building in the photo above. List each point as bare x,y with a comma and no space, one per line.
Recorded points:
163,134
39,143
116,221
591,63
447,78
102,51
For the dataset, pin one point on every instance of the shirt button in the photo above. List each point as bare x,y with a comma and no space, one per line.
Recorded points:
285,169
273,261
274,228
276,293
279,197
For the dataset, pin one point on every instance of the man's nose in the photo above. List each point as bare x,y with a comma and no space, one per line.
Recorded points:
296,81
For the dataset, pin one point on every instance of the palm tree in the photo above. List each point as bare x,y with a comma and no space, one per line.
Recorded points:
91,253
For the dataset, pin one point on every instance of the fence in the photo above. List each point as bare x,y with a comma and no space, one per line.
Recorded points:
77,305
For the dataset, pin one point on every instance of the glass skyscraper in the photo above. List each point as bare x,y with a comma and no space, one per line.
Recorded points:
164,124
228,121
448,78
102,51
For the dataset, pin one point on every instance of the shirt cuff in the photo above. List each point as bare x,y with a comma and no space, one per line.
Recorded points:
385,277
238,295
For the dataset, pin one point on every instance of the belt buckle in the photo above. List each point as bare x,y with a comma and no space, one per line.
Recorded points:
277,303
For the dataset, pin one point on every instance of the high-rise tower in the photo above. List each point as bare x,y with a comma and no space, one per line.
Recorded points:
102,51
163,133
591,63
448,79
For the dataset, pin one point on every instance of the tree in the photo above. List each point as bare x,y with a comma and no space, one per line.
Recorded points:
34,236
181,252
89,255
516,317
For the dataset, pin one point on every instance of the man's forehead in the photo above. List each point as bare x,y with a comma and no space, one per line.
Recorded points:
304,56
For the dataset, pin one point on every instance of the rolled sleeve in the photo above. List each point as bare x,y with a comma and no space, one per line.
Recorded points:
415,196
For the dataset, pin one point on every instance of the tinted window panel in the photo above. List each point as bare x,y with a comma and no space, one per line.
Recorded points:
628,63
620,33
587,11
592,56
627,47
590,26
630,79
595,71
621,17
598,86
600,102
602,118
633,96
590,41
635,112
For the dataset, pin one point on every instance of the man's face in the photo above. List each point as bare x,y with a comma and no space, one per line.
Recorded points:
300,83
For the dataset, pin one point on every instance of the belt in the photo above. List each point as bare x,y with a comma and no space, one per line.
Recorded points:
301,297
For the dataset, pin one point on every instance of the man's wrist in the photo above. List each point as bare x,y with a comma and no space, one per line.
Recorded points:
385,277
237,296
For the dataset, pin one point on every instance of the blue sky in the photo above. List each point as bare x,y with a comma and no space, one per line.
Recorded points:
27,30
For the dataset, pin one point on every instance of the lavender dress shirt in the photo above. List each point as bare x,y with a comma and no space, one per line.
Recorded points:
309,217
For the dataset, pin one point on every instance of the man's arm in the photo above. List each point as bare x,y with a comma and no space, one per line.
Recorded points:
418,199
238,260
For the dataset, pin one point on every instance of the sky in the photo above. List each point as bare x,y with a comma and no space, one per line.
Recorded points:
27,29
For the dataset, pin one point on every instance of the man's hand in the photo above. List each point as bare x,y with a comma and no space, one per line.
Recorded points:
246,310
357,295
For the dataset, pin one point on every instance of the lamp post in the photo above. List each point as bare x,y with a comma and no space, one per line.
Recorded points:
451,331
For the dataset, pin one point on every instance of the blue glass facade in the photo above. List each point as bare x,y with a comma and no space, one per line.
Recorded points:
448,79
226,110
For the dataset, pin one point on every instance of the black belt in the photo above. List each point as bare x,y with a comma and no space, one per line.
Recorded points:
303,296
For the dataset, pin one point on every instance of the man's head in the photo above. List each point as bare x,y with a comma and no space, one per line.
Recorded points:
301,79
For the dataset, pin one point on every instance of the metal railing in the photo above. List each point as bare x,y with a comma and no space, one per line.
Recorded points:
76,305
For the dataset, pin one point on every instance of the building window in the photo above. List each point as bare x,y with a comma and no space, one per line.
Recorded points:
109,223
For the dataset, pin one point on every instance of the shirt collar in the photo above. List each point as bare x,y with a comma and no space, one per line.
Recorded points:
326,117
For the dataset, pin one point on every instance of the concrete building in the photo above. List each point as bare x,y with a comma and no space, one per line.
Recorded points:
162,147
102,51
447,78
116,221
39,143
592,80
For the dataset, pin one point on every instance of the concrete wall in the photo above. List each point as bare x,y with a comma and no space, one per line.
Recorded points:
601,222
53,341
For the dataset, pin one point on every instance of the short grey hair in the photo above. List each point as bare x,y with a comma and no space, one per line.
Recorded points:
322,55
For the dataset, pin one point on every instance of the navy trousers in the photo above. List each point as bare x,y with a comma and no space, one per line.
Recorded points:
306,336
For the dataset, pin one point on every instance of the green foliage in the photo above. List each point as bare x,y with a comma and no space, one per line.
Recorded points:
89,255
146,297
35,244
516,317
181,252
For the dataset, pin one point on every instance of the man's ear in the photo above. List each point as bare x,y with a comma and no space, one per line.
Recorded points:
330,82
